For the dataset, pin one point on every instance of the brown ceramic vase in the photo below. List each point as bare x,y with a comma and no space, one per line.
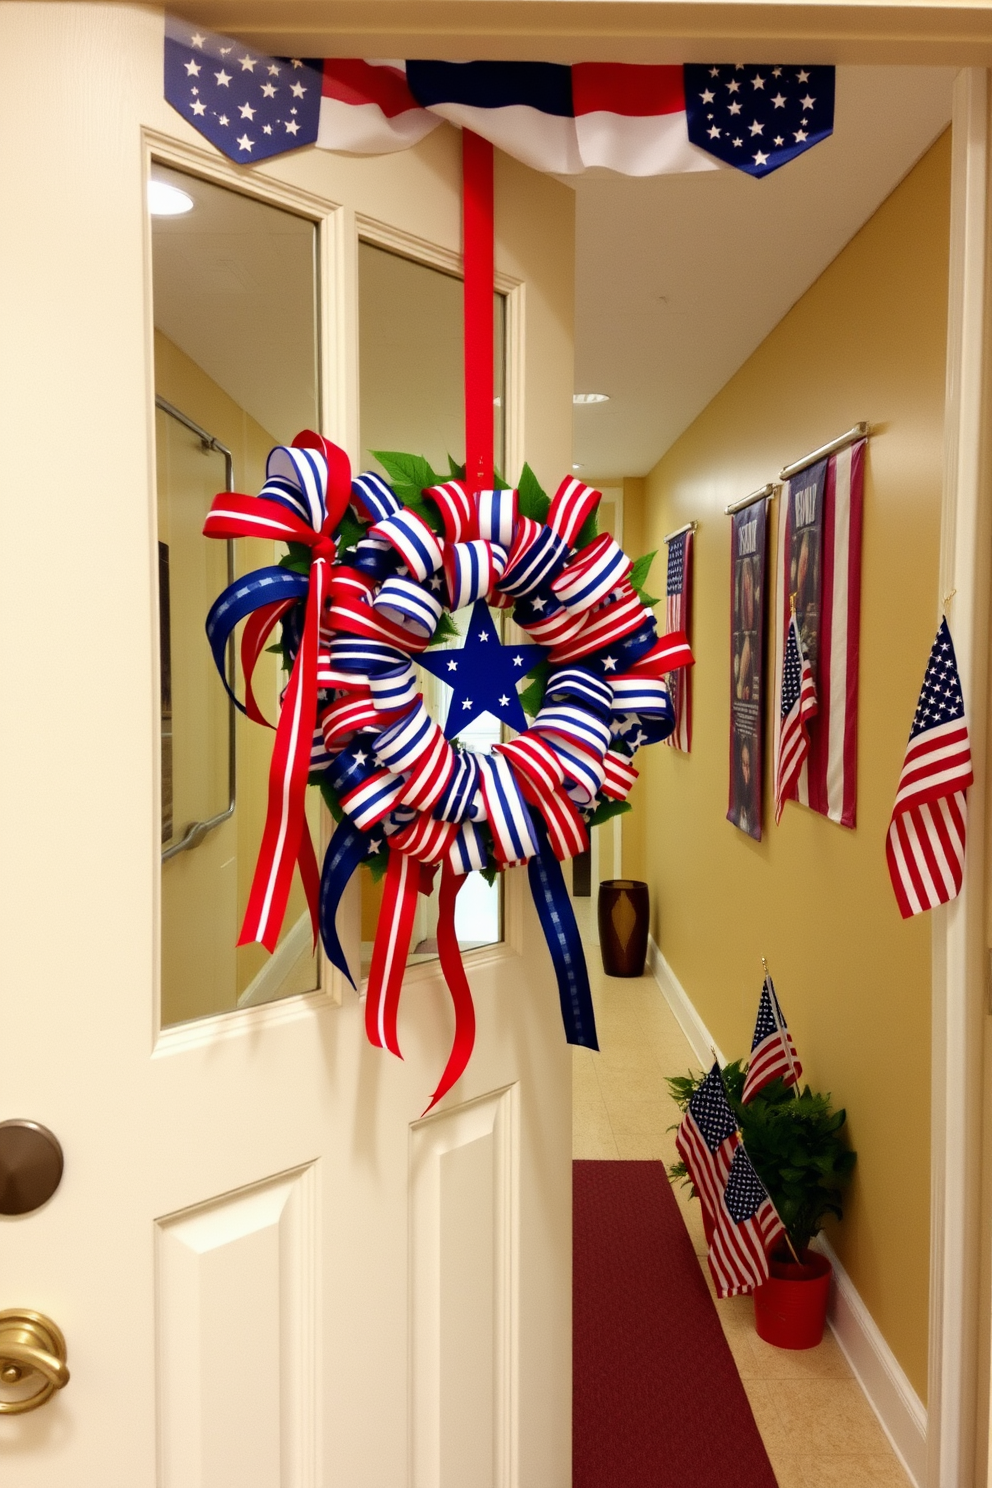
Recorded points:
623,926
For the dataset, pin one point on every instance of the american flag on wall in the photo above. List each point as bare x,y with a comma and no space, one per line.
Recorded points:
773,1054
745,1222
797,708
926,840
820,558
678,607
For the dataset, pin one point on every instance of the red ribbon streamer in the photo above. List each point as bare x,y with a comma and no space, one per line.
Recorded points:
392,942
454,974
480,270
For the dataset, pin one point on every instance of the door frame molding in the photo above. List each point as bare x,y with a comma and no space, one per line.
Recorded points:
957,1440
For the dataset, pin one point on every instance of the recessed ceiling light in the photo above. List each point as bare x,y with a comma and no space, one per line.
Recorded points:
578,467
590,397
167,201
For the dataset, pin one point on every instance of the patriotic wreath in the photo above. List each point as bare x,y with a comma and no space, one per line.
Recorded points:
373,573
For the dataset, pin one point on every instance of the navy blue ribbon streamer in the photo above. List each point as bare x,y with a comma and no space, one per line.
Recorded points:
345,851
240,599
557,918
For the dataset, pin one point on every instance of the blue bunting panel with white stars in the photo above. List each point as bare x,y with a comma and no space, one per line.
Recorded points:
249,105
758,118
483,675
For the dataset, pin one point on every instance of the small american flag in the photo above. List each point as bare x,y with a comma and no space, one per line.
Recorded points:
678,591
747,1226
926,840
798,706
706,1139
773,1053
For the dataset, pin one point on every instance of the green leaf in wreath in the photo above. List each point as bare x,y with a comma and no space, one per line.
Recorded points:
447,630
351,530
455,471
641,569
377,864
532,696
297,559
607,810
329,794
406,470
531,500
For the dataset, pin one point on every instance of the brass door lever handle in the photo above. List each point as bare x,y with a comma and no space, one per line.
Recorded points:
30,1344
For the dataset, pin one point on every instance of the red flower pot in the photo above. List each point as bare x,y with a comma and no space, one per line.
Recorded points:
790,1308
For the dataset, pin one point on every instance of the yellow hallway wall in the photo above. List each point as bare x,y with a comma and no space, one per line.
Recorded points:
867,341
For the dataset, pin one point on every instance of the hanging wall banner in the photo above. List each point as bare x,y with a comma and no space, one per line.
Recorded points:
678,613
820,564
747,665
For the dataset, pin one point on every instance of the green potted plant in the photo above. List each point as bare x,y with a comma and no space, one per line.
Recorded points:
796,1143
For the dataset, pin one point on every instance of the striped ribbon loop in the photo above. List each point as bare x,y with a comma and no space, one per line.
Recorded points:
389,953
321,758
553,628
348,716
534,761
455,800
374,497
309,494
351,654
636,693
468,849
540,562
592,574
619,617
666,655
348,583
264,587
394,689
567,833
450,956
554,909
583,687
576,724
454,503
420,549
619,777
372,799
401,746
571,505
365,622
471,569
497,515
430,774
410,605
506,811
376,559
331,678
584,773
425,838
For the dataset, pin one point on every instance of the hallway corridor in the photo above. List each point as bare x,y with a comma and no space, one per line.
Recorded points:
817,1426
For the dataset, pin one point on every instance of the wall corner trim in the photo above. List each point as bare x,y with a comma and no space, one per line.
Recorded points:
900,1411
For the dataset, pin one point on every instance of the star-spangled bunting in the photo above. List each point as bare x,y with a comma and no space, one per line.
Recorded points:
249,105
483,675
758,118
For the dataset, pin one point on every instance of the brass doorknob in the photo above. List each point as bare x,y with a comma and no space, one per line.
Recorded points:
30,1345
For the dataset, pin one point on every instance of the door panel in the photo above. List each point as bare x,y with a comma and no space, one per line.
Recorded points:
249,1183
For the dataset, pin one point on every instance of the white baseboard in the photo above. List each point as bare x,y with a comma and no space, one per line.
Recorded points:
677,998
901,1412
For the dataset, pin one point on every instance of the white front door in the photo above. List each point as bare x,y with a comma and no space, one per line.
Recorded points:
270,1272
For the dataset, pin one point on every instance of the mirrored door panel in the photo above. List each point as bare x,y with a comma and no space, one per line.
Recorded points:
235,302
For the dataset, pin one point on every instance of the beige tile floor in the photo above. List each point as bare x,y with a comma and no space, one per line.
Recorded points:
817,1426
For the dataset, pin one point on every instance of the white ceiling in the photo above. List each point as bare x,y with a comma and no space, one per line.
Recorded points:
679,278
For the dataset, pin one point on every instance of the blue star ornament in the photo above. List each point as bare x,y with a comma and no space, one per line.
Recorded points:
247,104
758,118
483,675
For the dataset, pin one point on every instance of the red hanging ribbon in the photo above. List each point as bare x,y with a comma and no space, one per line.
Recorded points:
454,974
480,270
392,943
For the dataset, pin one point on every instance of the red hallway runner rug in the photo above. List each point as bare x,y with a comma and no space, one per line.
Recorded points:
657,1400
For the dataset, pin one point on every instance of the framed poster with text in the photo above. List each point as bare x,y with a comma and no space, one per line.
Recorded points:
748,534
